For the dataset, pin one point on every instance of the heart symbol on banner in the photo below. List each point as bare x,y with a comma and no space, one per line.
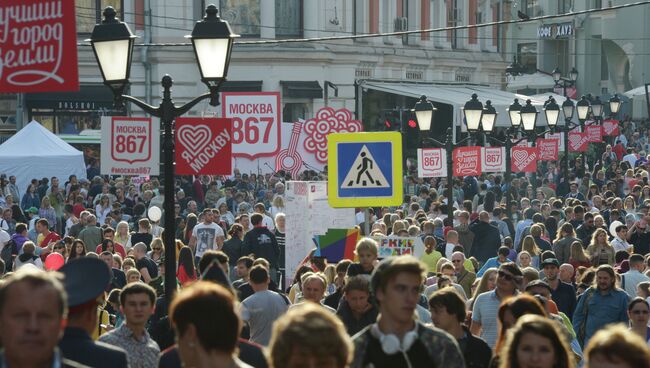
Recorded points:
194,138
575,141
520,157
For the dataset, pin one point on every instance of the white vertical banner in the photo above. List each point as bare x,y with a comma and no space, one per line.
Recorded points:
130,146
308,214
432,163
494,159
559,137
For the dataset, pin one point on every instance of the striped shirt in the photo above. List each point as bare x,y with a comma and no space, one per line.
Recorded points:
485,312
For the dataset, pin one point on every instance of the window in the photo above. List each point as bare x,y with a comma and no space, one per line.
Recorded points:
527,56
288,18
243,16
293,111
530,7
564,6
453,19
89,12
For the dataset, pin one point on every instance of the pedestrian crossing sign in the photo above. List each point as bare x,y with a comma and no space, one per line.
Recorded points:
365,169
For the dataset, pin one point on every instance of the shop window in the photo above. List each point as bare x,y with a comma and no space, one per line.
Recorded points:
288,18
89,13
243,16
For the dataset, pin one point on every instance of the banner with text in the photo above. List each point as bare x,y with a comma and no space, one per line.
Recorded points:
467,161
203,146
524,159
494,159
594,133
610,127
548,149
559,137
256,123
130,146
578,142
389,247
38,46
432,163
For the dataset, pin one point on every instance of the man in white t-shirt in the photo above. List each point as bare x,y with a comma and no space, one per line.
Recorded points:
206,235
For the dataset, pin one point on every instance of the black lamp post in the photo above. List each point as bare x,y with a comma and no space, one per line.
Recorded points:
568,108
614,104
424,115
564,82
212,40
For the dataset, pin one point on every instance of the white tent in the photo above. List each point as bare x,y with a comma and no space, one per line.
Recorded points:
35,152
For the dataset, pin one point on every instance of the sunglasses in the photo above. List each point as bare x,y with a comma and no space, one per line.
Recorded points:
506,276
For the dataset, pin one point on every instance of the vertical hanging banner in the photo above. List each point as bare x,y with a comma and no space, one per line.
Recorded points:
610,127
130,146
493,159
578,142
256,123
594,133
38,46
432,163
548,149
524,159
559,137
203,146
467,161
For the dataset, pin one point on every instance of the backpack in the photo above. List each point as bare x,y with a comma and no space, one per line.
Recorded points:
8,253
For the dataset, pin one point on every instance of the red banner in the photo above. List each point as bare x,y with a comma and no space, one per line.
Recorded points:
578,142
524,159
467,161
594,133
38,46
610,127
203,146
548,149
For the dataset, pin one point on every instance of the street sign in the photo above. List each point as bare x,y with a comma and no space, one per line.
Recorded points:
365,169
130,146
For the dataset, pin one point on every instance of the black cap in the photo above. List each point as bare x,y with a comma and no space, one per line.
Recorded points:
539,283
85,279
550,261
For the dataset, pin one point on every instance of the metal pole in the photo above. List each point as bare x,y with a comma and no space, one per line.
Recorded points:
508,144
366,225
533,178
450,174
566,155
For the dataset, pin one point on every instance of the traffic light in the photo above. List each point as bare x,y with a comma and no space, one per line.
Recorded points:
391,120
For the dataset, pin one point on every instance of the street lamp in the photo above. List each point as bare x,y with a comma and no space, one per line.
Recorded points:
573,75
489,116
557,75
583,109
112,43
473,111
424,113
614,104
552,112
529,117
514,112
597,108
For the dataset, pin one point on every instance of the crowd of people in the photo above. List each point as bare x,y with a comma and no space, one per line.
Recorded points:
551,275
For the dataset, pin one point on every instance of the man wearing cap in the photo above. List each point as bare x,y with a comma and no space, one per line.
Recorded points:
563,294
397,339
486,305
85,282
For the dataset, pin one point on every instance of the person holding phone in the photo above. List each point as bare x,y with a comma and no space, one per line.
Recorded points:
639,236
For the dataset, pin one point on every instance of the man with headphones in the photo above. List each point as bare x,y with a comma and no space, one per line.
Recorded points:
397,339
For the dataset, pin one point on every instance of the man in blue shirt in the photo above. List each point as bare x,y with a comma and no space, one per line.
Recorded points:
502,257
600,305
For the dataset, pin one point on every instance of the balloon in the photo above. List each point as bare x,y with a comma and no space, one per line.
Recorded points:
154,213
54,261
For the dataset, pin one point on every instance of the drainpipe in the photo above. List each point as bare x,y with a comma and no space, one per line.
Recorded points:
328,85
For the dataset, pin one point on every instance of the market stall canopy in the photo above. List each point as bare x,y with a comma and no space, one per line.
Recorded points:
638,91
35,152
457,95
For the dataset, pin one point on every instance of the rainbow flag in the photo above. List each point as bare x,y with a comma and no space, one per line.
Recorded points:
337,244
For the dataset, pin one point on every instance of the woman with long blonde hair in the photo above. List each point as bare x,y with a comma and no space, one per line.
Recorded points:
529,245
599,250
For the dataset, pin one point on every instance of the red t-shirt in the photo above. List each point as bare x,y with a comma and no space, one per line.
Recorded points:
51,237
118,248
183,277
77,209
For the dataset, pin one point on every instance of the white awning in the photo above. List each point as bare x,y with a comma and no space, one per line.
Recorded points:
638,91
530,81
458,95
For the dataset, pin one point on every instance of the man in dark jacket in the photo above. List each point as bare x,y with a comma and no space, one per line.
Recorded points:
262,243
448,313
355,311
85,280
586,230
487,239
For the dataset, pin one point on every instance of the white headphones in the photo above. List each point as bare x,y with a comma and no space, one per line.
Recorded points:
391,344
